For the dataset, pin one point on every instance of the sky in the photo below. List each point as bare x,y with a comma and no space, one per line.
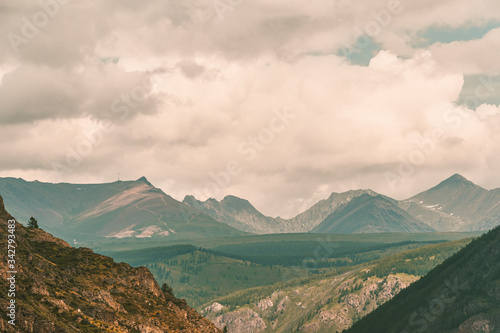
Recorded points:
278,102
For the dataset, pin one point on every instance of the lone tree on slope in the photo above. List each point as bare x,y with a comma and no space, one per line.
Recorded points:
167,289
33,223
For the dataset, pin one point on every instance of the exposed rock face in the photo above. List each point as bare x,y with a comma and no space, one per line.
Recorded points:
214,308
241,321
265,304
63,289
327,305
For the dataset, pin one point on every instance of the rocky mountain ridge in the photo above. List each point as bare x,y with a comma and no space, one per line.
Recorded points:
456,204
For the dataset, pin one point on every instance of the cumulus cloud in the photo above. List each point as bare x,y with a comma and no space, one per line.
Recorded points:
256,102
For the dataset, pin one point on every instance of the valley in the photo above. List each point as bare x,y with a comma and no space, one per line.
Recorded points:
320,271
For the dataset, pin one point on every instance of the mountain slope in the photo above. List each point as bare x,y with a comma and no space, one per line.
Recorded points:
113,210
457,204
240,214
370,214
63,289
460,295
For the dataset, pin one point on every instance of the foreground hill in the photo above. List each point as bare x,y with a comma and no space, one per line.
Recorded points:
370,214
460,295
84,212
63,289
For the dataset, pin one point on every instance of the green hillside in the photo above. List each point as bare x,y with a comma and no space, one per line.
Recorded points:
460,295
200,274
82,213
330,301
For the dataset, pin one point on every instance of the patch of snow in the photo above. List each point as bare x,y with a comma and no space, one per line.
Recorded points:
152,230
127,232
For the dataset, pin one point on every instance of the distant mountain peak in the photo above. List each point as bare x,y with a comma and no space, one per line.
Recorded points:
457,180
144,180
232,198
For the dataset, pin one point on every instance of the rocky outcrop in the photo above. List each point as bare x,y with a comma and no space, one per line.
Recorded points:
63,289
241,321
265,304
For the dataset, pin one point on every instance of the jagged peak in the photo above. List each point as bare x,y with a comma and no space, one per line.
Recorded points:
358,191
189,198
233,198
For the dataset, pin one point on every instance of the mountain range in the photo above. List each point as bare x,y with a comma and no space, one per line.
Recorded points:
137,209
83,212
456,204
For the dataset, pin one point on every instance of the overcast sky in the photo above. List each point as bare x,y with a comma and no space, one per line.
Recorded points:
279,102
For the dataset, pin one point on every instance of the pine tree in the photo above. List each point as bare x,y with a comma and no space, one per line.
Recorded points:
33,223
167,289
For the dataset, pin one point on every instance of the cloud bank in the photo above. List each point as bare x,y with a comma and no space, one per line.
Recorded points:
278,102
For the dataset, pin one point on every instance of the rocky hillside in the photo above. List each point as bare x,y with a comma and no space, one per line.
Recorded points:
329,305
460,295
325,303
63,289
